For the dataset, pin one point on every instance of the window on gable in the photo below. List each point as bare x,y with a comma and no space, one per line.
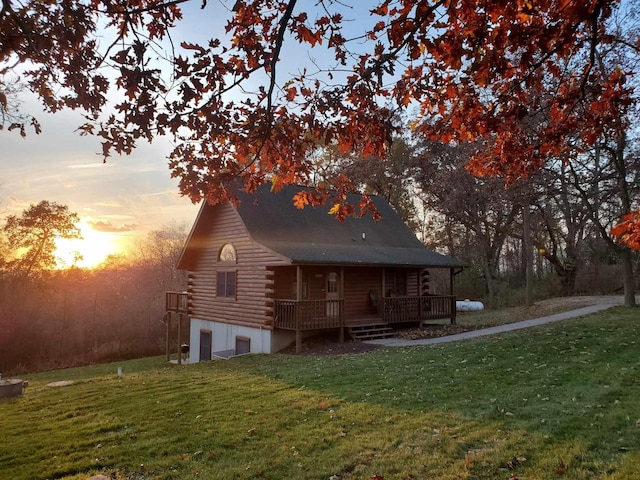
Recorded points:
227,253
226,284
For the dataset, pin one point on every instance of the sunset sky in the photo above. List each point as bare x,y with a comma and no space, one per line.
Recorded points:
117,201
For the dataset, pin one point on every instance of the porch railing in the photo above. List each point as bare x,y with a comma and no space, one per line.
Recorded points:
176,302
308,314
318,314
418,309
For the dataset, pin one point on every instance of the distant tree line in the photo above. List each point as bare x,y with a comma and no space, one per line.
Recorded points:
53,318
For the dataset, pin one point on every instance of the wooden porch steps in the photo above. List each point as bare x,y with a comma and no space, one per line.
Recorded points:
370,332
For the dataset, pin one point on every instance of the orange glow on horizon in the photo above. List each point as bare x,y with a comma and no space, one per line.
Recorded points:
88,252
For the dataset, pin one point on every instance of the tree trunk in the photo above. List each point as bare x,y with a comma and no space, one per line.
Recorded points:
528,255
569,282
491,286
628,280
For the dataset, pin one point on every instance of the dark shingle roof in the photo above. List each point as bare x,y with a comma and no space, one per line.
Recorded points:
312,236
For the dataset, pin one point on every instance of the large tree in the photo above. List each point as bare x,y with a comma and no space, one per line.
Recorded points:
484,206
472,69
32,235
563,223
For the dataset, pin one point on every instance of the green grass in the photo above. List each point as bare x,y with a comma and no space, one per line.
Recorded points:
557,401
501,316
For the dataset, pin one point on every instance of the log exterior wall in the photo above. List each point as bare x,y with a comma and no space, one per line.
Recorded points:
253,302
284,283
413,283
358,282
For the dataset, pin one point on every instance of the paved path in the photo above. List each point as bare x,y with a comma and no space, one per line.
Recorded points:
579,312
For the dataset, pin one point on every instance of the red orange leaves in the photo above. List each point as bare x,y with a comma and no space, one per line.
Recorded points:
628,230
509,76
300,200
382,9
308,36
291,93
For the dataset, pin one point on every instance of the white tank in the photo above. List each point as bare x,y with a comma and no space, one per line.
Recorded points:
468,306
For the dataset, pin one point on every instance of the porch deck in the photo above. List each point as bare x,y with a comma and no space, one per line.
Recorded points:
176,302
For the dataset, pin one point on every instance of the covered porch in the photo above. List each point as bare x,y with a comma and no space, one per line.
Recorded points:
341,297
319,314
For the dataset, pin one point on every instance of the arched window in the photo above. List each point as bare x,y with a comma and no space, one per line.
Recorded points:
227,253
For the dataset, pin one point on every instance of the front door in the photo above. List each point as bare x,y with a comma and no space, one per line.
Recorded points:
333,295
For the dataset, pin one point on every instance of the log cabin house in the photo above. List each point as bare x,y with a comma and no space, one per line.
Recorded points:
265,273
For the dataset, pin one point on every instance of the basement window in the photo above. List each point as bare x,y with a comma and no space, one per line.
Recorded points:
243,345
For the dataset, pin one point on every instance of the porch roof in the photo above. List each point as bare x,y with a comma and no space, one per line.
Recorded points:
332,254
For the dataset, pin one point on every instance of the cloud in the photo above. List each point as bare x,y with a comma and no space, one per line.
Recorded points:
92,165
159,194
15,201
108,227
108,203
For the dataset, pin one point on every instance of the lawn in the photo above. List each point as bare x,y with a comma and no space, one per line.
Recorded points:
557,401
541,308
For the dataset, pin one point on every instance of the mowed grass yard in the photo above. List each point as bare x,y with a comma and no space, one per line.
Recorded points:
557,401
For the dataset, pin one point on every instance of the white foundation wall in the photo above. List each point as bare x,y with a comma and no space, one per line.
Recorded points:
223,338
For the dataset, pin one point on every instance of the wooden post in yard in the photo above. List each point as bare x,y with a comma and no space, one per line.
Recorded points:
180,339
298,335
168,339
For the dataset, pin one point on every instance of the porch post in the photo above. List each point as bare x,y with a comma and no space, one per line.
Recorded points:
382,295
453,310
451,277
420,313
298,298
341,304
453,298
